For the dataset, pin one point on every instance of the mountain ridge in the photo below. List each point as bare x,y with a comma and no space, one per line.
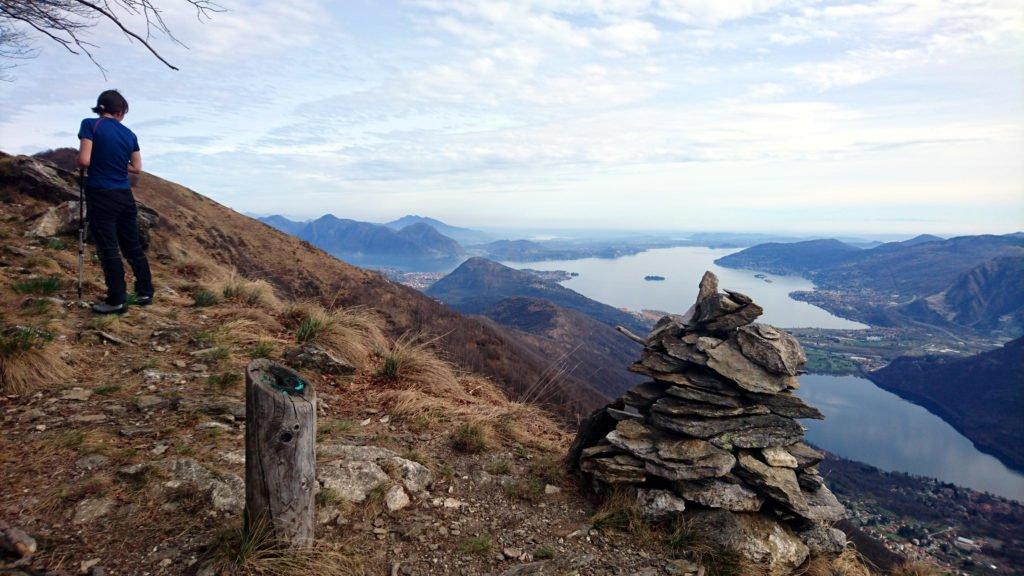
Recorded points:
982,396
462,235
372,244
479,283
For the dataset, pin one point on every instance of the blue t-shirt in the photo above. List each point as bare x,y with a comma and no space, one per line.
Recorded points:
112,147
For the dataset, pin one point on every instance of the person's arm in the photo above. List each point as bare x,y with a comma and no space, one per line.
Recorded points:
135,163
84,152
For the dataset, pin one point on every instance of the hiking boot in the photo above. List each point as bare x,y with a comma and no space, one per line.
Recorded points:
143,300
104,308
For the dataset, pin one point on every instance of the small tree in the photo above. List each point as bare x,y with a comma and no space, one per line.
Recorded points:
67,23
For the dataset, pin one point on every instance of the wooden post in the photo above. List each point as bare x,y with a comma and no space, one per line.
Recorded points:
280,453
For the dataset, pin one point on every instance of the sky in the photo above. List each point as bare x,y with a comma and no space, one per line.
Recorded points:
791,116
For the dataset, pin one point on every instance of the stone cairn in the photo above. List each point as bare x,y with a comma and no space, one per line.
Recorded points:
714,433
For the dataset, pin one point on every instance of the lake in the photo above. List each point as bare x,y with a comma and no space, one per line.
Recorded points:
620,283
871,425
863,422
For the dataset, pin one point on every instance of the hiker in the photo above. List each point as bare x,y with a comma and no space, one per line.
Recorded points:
111,151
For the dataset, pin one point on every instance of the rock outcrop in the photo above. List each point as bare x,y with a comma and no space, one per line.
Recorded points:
714,434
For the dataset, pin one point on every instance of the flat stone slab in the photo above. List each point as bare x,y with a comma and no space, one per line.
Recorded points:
717,493
779,484
710,427
729,361
680,408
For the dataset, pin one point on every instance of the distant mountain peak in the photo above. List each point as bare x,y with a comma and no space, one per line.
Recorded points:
464,236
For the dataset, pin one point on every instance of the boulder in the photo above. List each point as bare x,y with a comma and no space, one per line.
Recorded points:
223,492
40,180
351,480
757,537
415,477
659,505
92,509
822,539
313,357
720,493
771,348
16,542
56,220
395,498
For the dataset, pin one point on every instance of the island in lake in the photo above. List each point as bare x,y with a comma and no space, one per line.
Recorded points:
653,278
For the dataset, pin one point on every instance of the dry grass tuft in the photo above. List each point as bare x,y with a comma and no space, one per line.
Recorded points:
619,511
252,552
470,438
410,362
917,569
692,536
352,333
253,293
846,564
28,360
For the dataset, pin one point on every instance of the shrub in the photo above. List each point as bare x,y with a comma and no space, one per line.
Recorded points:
39,286
469,437
56,244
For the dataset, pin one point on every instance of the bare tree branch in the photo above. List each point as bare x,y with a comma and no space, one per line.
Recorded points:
67,22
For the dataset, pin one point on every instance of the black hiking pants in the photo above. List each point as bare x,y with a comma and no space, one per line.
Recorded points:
113,221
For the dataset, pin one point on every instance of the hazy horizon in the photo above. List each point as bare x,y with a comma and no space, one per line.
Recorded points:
803,118
580,231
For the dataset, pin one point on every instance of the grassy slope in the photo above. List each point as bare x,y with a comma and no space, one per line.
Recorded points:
199,225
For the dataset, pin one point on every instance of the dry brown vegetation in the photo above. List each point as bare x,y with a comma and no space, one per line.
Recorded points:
917,569
351,333
250,551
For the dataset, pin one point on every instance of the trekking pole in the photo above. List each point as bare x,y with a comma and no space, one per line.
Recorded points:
81,229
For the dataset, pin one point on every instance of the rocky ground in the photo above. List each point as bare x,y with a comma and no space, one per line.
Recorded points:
122,451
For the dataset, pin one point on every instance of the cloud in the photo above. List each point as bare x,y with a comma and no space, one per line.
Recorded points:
473,109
